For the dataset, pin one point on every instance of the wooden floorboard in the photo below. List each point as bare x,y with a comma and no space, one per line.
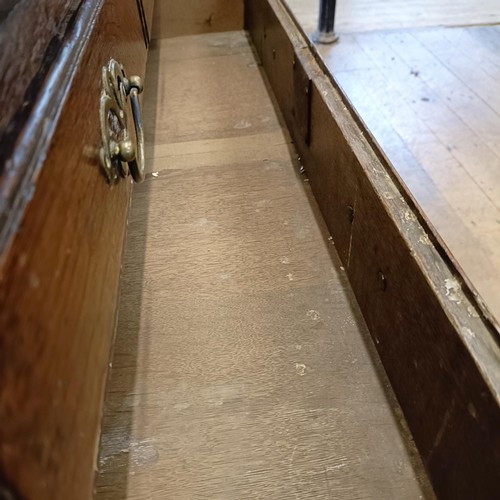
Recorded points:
434,108
354,16
242,367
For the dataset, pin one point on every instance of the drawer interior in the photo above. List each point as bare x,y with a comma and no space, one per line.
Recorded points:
242,366
288,314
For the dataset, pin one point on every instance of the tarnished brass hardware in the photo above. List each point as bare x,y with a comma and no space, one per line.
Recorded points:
137,165
119,156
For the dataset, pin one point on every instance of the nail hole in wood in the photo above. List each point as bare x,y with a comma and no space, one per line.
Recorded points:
383,281
350,213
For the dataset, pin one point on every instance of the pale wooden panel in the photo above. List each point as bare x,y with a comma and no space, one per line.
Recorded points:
368,15
433,106
198,104
188,17
242,367
214,151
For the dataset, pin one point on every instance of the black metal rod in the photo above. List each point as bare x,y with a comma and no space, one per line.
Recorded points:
326,22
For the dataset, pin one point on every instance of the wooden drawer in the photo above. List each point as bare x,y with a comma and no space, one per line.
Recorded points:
60,275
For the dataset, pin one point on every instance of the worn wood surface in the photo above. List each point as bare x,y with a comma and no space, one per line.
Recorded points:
430,99
173,19
31,36
439,349
354,16
242,368
30,33
59,286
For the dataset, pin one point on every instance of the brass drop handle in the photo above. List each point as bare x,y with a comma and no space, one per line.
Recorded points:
138,164
118,154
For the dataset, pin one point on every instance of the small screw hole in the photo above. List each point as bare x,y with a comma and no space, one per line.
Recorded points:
383,281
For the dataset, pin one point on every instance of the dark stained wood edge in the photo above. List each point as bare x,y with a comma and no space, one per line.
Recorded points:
144,22
30,37
148,6
60,280
436,238
439,348
23,164
7,491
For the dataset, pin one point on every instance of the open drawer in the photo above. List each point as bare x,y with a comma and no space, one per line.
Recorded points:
288,325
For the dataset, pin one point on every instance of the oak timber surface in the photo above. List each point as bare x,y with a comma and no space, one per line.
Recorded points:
430,97
242,367
353,16
59,283
30,34
190,17
400,277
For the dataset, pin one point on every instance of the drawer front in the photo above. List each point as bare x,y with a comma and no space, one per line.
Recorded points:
59,281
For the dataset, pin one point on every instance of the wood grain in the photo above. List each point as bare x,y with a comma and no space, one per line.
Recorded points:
31,33
242,368
438,124
355,16
172,19
32,37
439,349
59,287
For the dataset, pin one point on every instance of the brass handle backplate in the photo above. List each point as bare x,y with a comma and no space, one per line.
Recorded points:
119,156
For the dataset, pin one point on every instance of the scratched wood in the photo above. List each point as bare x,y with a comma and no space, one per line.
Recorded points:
59,282
172,19
31,33
218,119
242,367
439,125
437,342
353,16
